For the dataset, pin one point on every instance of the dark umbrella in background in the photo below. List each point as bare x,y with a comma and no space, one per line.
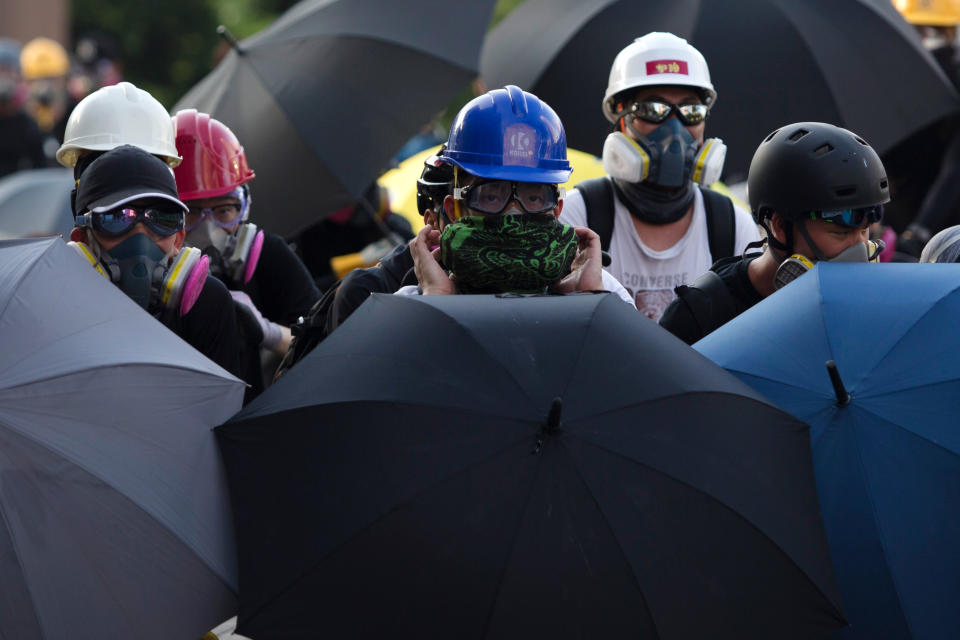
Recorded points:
548,467
868,355
323,98
853,63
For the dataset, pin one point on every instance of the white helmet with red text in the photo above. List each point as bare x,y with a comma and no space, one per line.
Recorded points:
657,58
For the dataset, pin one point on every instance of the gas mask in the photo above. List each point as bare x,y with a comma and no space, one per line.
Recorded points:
158,282
233,254
234,249
667,157
797,265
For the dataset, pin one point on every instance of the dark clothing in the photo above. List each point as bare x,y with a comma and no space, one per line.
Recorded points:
325,239
395,271
699,310
283,291
21,146
281,286
210,326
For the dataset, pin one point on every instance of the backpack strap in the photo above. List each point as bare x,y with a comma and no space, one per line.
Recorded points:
721,224
598,199
709,301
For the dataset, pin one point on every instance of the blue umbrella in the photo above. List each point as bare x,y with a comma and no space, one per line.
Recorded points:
884,429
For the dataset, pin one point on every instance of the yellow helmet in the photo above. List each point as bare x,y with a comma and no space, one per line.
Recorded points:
43,58
935,13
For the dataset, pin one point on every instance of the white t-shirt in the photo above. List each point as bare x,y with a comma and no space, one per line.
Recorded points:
650,276
609,283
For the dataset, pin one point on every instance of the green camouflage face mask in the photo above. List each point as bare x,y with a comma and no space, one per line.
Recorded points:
507,253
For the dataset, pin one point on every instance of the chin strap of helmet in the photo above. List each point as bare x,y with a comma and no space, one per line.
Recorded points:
780,250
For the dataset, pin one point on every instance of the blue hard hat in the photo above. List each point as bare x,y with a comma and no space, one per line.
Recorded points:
509,134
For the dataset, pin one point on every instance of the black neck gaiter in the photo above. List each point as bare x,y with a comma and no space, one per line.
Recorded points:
654,206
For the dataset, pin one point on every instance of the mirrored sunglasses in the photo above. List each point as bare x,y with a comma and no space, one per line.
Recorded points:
851,217
656,111
162,221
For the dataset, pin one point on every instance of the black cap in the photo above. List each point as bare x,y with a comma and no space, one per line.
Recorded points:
122,175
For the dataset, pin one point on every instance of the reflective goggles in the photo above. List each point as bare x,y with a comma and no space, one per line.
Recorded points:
655,112
494,196
851,217
116,222
224,215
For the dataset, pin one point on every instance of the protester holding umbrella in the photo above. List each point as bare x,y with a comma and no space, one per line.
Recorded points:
213,181
269,283
508,151
661,228
815,188
129,226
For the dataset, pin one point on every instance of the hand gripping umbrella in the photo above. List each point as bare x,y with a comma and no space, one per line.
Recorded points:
115,517
855,63
323,98
868,355
533,467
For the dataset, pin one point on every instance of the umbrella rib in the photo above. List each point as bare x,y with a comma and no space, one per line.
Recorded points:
721,502
912,325
513,546
906,430
880,532
372,523
613,533
360,36
23,572
145,363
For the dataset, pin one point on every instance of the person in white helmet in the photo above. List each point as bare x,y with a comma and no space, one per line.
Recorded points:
661,227
114,116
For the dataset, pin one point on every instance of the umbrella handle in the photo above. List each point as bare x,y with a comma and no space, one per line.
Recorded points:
843,398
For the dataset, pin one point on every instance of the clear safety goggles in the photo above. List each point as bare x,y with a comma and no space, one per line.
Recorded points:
114,223
224,215
492,197
851,217
656,111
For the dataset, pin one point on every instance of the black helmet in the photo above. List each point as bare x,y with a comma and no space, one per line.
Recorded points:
943,247
435,182
814,166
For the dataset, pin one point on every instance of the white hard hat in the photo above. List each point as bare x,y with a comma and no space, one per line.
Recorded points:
117,115
657,59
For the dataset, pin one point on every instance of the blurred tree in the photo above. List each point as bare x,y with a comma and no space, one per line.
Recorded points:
165,45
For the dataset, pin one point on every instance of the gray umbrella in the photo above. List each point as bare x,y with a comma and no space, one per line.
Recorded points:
36,202
323,98
116,521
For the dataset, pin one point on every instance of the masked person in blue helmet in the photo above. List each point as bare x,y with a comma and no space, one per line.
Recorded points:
498,231
130,229
653,212
816,189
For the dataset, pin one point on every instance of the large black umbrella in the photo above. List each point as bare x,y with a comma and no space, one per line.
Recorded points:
854,63
523,467
324,97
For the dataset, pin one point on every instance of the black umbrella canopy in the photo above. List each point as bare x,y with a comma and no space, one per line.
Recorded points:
546,466
854,63
323,98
